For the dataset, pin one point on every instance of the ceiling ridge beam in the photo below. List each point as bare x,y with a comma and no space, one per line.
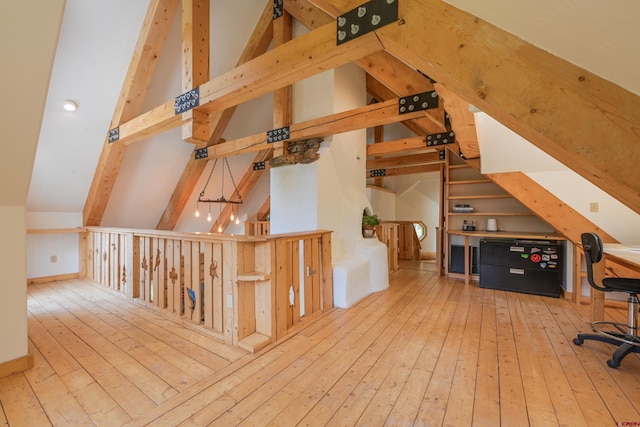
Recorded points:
151,39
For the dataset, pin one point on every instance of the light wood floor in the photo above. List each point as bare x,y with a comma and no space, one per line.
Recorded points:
427,352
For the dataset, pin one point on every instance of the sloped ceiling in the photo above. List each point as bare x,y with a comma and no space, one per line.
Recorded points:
90,65
29,32
92,60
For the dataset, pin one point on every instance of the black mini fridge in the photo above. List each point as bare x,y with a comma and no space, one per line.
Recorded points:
528,266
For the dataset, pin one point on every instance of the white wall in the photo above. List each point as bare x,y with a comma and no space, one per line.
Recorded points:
383,202
416,198
29,31
64,246
310,197
329,194
13,295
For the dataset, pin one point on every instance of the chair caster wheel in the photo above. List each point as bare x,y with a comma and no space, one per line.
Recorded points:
578,341
613,364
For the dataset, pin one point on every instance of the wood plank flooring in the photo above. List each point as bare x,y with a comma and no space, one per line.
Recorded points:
428,351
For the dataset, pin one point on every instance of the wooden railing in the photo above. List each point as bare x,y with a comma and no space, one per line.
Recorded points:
256,228
249,291
387,233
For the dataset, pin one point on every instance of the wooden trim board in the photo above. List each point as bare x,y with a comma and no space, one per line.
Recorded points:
54,278
16,365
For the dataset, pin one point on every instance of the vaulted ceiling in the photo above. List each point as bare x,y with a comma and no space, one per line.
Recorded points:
581,119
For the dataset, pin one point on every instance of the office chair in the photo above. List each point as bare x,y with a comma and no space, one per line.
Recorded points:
624,336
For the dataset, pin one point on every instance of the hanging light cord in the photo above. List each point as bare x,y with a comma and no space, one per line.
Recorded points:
235,187
209,179
221,199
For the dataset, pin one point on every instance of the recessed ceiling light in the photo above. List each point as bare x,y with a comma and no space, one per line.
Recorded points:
69,105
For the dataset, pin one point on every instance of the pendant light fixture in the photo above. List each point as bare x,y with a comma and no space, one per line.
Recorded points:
235,197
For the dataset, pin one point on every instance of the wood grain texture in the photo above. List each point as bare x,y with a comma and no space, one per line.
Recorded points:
429,349
547,206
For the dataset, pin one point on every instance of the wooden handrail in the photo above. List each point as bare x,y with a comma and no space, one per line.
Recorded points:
257,228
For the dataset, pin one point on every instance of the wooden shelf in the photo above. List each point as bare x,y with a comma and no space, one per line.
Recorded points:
471,181
481,196
465,185
491,214
508,234
252,276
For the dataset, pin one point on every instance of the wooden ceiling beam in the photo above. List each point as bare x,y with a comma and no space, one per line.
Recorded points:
411,170
153,34
547,206
582,120
215,125
258,44
402,80
195,62
308,13
387,77
399,161
264,210
419,126
371,115
397,146
282,101
296,60
463,122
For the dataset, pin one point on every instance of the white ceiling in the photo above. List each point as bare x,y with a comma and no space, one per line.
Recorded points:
96,43
94,49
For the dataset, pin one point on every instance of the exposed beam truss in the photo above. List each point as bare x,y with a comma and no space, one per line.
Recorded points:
298,59
578,111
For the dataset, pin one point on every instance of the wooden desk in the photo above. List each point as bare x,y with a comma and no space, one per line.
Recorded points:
495,235
619,261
